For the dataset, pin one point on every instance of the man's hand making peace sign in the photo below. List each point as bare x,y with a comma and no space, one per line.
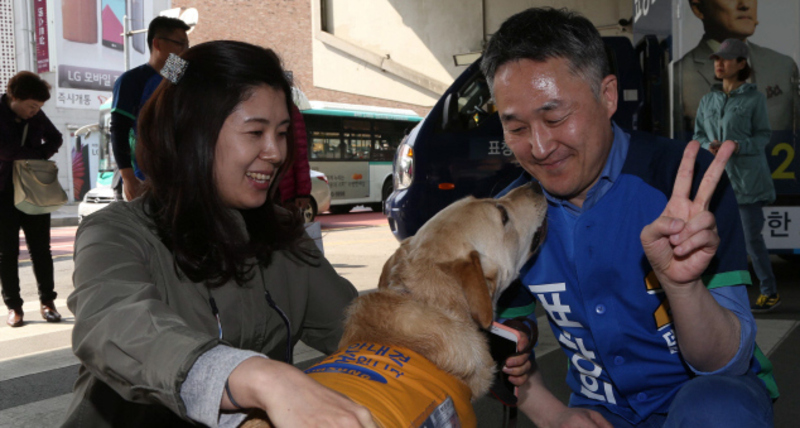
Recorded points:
680,245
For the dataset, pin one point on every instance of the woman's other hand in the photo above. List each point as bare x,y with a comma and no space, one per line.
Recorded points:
714,146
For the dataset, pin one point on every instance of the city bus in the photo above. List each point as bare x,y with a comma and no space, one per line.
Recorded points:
354,146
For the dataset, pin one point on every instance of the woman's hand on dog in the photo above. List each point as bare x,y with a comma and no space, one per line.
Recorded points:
291,398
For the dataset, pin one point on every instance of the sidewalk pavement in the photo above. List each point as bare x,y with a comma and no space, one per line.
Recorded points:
67,215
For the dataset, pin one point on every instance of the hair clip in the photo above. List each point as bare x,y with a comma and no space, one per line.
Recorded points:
174,68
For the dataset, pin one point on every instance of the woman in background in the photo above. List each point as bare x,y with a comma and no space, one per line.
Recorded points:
735,110
25,133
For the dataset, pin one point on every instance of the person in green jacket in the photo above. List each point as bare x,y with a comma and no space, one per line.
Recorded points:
189,299
735,110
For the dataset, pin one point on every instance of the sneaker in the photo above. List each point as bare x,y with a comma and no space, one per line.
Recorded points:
766,303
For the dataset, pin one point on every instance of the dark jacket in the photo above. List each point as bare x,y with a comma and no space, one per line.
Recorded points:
42,142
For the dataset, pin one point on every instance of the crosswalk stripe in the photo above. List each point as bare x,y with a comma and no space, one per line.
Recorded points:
44,413
37,363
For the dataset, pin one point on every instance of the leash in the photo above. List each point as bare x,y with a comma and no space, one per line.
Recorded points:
509,417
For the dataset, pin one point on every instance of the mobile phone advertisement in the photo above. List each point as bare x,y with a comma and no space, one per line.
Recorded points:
90,46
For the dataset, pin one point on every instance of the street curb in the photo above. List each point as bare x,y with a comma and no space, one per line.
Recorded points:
63,221
67,215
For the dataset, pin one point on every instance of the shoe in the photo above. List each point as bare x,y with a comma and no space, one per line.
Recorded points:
766,303
15,317
49,312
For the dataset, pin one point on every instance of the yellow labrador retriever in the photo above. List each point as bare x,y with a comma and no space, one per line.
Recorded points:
413,352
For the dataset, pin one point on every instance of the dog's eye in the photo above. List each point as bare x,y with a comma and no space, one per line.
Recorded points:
503,213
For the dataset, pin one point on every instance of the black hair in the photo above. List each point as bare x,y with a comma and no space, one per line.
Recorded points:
744,73
27,85
163,26
178,130
540,34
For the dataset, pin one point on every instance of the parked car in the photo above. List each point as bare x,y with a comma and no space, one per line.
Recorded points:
320,196
101,196
94,200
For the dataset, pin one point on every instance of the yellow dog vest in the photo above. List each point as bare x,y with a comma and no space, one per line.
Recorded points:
400,387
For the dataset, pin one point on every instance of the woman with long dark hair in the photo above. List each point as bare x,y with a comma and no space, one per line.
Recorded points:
188,300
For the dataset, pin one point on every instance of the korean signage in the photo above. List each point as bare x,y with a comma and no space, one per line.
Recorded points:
89,46
651,17
347,180
40,29
781,227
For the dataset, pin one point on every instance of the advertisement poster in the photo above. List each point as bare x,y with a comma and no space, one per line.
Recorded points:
88,170
772,32
90,48
42,42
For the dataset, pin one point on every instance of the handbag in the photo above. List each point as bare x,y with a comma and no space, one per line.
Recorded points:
36,186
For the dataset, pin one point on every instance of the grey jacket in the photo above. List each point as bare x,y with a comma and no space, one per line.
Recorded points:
140,327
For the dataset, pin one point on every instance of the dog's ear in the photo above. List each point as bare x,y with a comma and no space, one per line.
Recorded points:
398,257
470,274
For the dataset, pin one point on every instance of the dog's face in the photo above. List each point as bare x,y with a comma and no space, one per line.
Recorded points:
470,252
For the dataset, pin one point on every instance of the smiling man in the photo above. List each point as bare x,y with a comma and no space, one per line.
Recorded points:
636,257
775,74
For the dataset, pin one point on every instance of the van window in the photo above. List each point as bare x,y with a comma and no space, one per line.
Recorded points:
472,106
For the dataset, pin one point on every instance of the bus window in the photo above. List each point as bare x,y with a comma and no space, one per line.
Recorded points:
387,136
325,137
358,136
325,145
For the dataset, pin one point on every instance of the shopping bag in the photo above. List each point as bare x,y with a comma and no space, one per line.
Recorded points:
36,186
